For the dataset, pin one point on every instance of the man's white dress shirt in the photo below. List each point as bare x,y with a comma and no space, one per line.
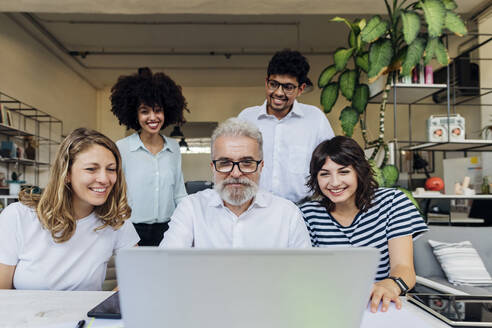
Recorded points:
288,145
202,220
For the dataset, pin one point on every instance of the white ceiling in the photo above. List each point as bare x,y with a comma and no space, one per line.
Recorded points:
197,42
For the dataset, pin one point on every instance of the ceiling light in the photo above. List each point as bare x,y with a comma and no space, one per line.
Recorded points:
177,132
183,143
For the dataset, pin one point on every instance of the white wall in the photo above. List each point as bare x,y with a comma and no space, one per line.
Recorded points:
485,26
206,104
31,74
218,103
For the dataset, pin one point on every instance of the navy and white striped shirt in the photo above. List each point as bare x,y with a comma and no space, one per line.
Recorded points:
391,215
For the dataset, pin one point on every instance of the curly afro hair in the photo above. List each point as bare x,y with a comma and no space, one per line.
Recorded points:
289,62
149,89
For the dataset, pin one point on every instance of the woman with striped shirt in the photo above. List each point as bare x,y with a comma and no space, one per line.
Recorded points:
349,210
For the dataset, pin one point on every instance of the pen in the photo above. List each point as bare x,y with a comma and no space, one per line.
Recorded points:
80,324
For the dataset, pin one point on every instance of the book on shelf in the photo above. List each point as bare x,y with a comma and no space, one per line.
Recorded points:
9,118
4,115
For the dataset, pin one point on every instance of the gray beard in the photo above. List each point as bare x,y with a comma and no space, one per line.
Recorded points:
236,196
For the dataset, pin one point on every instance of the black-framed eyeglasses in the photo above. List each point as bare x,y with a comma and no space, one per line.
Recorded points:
288,88
245,166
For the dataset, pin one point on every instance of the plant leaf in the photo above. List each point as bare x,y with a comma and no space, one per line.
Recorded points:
326,76
411,25
380,55
344,20
441,54
454,23
352,40
362,61
360,98
375,28
329,96
341,58
397,59
361,23
413,56
430,50
376,173
410,196
349,118
347,83
434,13
390,175
450,4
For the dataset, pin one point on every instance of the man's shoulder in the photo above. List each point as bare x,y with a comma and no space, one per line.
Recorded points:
204,196
250,112
311,110
277,201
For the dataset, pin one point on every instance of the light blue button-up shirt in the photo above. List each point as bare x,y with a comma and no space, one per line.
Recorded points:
154,182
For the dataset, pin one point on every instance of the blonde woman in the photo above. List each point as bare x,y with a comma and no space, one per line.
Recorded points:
63,239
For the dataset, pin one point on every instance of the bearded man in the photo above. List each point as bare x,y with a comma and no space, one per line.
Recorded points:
236,213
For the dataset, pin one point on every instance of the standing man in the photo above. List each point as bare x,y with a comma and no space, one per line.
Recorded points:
290,130
236,213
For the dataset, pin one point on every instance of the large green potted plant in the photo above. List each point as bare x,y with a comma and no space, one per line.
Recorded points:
383,47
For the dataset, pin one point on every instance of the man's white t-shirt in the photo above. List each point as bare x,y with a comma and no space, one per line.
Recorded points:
41,263
288,145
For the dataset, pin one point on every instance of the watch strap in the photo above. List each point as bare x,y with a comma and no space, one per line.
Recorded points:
400,283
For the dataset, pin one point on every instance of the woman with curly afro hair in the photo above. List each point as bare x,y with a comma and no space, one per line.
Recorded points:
148,103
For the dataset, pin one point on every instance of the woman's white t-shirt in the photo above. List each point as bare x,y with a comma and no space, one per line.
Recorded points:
41,263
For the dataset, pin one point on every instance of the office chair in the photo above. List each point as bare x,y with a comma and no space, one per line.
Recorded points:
196,186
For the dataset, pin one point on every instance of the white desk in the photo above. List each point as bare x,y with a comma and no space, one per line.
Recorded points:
56,309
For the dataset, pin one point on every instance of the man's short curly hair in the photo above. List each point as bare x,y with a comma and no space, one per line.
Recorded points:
149,89
289,62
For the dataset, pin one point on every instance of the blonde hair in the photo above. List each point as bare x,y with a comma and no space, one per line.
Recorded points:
54,205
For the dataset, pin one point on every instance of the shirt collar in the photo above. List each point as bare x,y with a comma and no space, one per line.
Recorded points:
296,110
262,199
136,143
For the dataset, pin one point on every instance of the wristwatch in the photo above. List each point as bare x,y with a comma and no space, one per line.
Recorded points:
403,286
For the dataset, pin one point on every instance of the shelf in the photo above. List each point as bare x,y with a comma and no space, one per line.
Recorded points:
9,196
22,161
444,196
11,131
465,145
406,93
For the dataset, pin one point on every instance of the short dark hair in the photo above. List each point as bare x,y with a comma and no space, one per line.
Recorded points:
343,151
149,89
289,62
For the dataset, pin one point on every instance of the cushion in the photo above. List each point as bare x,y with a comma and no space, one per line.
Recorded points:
461,263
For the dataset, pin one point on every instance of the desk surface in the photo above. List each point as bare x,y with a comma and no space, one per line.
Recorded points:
57,309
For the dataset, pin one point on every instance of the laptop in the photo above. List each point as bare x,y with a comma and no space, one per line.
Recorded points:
233,288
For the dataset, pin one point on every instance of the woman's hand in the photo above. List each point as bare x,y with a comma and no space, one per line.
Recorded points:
385,291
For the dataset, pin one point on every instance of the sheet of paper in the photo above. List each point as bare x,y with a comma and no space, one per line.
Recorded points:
407,317
104,323
89,323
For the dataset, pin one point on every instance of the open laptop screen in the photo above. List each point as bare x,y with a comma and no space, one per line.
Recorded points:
245,288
